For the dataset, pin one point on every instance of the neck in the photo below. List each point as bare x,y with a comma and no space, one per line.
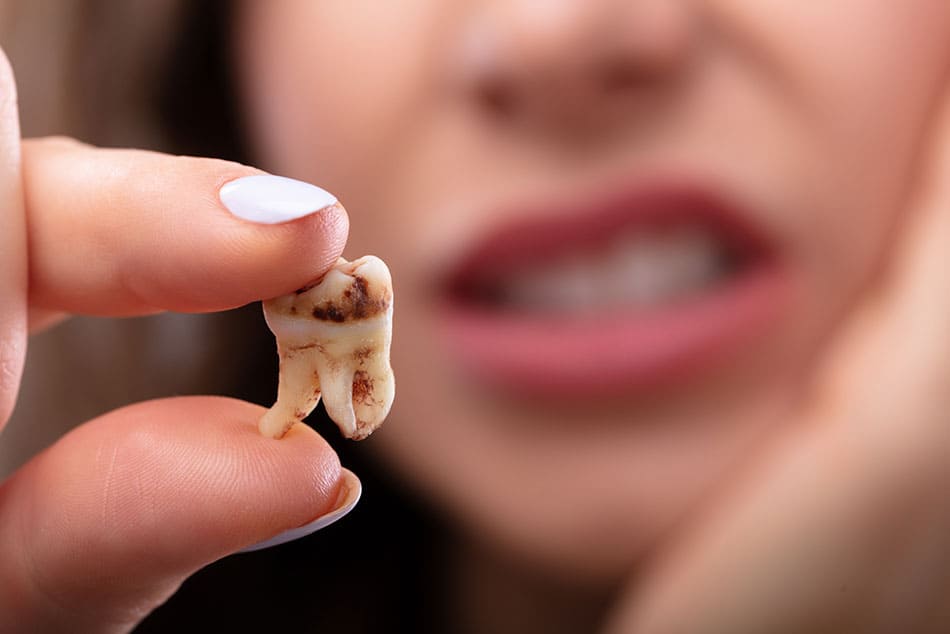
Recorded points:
491,593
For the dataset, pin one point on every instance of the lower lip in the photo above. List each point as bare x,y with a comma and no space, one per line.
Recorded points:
622,352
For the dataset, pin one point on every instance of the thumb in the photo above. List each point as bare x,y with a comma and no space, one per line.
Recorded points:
102,527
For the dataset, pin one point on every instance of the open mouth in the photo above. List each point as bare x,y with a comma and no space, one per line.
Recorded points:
613,295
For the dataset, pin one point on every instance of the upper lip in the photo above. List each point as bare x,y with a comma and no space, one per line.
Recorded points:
539,232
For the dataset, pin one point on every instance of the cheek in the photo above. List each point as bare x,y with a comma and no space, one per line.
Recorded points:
861,86
332,87
834,106
859,90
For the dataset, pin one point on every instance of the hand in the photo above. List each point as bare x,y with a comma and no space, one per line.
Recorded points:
103,526
845,525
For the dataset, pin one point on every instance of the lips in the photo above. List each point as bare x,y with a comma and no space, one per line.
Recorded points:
614,295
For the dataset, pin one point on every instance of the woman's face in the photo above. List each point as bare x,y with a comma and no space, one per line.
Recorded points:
618,231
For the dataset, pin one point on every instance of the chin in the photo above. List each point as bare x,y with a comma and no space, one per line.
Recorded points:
583,503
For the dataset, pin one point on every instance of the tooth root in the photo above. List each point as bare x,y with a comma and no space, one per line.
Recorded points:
338,400
297,393
373,391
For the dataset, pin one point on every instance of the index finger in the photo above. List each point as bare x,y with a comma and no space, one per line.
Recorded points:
125,232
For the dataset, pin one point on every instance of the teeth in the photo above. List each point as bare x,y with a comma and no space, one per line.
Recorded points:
644,269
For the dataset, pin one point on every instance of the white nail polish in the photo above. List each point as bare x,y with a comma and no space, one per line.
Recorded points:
350,490
270,200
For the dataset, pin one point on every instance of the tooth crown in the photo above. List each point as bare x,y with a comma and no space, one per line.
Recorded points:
333,339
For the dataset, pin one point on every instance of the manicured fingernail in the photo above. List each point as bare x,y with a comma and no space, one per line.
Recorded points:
350,490
270,200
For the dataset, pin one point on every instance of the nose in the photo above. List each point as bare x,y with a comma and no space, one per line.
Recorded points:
575,65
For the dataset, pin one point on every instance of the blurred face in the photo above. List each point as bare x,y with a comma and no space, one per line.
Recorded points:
619,231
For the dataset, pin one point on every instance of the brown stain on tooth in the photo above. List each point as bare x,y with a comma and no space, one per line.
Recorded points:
356,303
358,294
362,388
285,429
328,312
293,350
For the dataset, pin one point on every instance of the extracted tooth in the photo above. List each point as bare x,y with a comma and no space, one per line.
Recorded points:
333,340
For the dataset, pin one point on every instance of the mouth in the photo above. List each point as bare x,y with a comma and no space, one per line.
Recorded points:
615,295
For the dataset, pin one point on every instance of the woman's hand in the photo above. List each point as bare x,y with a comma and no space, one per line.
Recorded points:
844,526
103,526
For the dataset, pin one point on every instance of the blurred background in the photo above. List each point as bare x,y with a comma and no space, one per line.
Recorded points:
132,74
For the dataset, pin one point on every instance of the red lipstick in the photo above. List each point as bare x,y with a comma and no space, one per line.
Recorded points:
550,348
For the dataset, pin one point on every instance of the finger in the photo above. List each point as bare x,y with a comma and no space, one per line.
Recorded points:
12,247
103,526
123,232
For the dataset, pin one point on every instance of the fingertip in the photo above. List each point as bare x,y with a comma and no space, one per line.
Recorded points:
155,491
274,259
155,232
231,470
349,494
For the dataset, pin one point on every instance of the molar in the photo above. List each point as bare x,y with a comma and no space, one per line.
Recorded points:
333,339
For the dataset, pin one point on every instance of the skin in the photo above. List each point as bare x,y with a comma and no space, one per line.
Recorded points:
824,121
815,118
104,525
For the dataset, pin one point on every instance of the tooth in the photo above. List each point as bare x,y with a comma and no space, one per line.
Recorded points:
333,340
576,289
638,269
641,277
648,269
566,285
688,260
527,288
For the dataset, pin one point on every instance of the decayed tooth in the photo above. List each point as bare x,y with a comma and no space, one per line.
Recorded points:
333,340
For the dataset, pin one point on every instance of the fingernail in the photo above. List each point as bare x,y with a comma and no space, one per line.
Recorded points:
270,200
350,490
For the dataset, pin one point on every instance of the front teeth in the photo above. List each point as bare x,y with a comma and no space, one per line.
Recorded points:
640,270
